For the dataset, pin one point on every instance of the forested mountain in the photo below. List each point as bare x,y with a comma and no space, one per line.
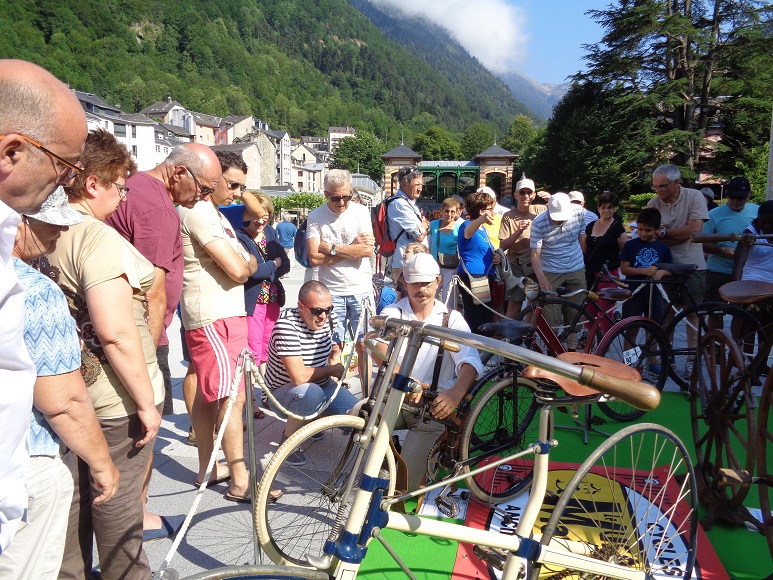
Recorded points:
301,65
432,44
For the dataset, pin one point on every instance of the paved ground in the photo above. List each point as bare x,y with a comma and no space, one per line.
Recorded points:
221,531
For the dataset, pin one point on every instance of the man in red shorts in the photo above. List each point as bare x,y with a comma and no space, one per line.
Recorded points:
213,315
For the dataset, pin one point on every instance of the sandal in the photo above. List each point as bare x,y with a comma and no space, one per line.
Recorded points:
258,414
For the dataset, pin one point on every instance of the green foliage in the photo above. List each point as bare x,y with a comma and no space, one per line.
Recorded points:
301,200
301,65
756,171
436,144
361,153
519,135
640,199
476,139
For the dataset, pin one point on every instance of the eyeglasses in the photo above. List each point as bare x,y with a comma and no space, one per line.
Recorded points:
71,170
234,185
319,311
523,192
205,191
662,187
123,191
337,198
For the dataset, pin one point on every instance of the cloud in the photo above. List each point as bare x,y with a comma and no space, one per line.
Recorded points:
493,31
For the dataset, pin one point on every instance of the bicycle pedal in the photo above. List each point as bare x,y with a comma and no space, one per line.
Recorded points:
492,556
447,506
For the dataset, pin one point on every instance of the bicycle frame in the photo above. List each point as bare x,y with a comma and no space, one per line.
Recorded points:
368,513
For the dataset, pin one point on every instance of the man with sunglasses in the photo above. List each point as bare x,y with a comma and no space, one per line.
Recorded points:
683,212
42,135
340,240
214,318
302,367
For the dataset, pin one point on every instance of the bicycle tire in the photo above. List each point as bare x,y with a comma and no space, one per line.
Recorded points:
641,344
659,465
676,332
503,419
300,523
724,420
764,464
575,328
258,573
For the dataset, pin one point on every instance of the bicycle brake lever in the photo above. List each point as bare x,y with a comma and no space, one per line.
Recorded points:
320,562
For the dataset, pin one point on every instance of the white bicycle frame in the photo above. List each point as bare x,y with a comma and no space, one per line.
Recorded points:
368,513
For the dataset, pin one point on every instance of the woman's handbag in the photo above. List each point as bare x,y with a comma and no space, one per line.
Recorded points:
448,261
281,296
479,286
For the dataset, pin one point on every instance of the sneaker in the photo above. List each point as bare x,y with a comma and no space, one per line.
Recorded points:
317,436
296,459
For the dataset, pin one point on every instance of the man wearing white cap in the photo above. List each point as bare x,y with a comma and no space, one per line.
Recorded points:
422,278
514,237
556,255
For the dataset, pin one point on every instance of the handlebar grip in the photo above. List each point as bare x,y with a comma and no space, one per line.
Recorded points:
447,344
637,394
715,237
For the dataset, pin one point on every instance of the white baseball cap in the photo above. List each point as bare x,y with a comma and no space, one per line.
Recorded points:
525,183
576,196
421,268
559,207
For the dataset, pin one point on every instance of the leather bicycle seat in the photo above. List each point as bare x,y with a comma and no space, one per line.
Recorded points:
614,294
746,291
508,329
575,389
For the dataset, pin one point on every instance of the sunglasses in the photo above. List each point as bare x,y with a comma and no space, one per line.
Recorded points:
319,311
205,191
234,185
70,171
337,198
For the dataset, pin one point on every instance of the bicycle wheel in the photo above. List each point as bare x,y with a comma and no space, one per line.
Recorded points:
765,456
503,420
735,321
570,322
299,524
631,503
723,413
640,344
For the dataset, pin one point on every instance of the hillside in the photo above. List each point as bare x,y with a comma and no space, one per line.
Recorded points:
539,97
443,54
301,65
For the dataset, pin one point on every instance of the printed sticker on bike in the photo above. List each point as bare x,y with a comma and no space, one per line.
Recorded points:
601,514
632,356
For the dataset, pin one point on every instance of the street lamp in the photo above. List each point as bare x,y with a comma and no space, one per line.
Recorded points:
722,184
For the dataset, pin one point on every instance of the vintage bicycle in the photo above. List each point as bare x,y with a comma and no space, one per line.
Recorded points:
350,477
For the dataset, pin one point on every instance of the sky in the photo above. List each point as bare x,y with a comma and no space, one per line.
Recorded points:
540,38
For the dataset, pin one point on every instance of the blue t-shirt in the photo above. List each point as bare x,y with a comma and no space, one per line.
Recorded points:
723,220
641,254
285,234
52,341
445,243
476,253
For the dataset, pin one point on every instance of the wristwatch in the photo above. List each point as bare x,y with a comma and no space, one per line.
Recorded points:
662,233
333,250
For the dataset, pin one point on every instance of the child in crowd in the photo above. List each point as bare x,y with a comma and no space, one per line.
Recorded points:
639,260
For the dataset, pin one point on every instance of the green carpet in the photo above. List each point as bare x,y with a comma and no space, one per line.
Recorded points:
744,554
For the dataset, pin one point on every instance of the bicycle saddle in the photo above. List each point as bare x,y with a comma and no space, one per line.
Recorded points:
507,329
614,294
746,291
575,389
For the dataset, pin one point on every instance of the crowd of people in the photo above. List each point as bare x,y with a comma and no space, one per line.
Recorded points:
98,257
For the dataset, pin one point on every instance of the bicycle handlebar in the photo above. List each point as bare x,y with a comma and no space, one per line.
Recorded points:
637,394
742,237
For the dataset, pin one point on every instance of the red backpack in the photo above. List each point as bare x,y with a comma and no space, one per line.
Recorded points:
384,246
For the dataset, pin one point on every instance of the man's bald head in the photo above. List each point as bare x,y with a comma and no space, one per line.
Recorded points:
184,160
37,105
